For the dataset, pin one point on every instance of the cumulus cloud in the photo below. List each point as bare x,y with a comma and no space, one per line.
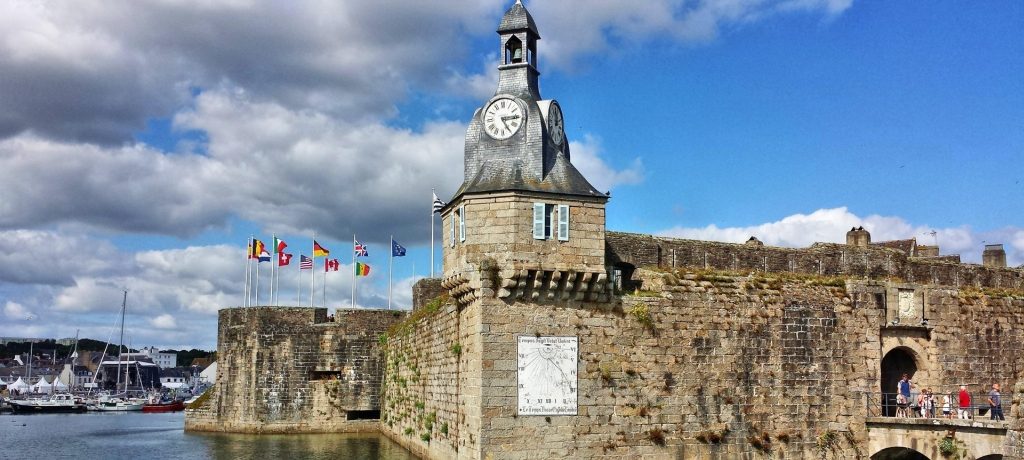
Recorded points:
586,157
96,70
588,27
164,321
831,225
15,311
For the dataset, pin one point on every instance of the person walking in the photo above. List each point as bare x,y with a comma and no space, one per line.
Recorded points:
945,407
995,403
964,407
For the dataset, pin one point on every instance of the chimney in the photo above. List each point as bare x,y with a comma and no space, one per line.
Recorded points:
859,237
994,256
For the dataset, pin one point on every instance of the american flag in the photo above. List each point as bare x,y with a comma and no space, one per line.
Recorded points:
361,250
305,263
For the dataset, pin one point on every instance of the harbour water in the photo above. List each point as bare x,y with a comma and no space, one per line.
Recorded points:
135,435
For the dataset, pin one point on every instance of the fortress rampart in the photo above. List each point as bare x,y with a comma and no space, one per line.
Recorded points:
289,370
872,262
699,364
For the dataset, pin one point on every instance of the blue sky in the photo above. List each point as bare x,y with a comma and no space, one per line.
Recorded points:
141,143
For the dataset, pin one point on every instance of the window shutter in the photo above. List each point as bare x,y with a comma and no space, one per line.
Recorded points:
452,232
563,222
538,221
462,223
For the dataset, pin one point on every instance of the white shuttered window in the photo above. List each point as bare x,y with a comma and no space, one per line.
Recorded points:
563,222
538,221
462,223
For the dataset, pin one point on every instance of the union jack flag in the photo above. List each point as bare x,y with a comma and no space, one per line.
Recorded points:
361,250
305,263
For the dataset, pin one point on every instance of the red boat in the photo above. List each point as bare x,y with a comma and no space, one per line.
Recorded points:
164,407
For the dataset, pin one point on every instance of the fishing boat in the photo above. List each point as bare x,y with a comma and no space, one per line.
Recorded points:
172,406
61,402
106,403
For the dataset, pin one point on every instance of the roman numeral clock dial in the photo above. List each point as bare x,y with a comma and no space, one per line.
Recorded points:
503,118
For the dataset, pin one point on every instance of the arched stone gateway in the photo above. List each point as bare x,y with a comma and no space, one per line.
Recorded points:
898,453
991,457
895,363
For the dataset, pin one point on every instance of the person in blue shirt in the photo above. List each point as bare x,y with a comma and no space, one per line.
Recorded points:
995,403
903,387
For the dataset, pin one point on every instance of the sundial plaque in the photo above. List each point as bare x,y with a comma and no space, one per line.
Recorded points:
547,375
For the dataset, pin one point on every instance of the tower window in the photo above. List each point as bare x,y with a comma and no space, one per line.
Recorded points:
451,227
462,224
513,51
544,225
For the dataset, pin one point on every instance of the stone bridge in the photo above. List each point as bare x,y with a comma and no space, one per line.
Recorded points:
916,439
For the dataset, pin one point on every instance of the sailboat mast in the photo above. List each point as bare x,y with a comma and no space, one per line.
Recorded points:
124,305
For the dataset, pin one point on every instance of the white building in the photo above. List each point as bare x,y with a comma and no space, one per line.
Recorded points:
164,360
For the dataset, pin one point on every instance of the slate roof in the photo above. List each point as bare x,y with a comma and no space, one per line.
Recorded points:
563,179
517,18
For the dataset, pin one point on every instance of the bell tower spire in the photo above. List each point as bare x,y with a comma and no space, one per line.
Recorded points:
517,71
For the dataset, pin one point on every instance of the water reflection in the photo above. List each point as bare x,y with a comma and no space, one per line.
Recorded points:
313,446
138,435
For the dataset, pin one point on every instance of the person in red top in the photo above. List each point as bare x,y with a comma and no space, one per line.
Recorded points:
964,408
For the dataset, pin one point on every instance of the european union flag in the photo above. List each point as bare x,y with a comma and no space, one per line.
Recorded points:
396,249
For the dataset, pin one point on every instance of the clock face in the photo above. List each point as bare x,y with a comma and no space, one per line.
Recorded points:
503,118
556,127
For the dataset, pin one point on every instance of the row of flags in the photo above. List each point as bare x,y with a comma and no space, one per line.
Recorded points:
257,251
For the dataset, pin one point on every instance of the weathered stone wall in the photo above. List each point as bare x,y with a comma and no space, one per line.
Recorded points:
820,259
431,397
287,370
702,364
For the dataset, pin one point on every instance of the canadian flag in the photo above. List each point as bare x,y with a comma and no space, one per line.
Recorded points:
331,265
283,259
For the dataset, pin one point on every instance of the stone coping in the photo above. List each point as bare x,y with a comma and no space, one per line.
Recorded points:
940,422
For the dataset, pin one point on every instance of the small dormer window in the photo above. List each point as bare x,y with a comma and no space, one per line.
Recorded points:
513,51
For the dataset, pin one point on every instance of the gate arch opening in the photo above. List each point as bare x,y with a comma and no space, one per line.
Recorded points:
895,363
899,453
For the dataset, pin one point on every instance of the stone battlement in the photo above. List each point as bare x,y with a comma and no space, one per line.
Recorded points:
294,369
626,251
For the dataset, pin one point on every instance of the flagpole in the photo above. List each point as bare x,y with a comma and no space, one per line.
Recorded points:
273,267
391,259
325,282
248,261
353,304
257,281
298,284
432,194
312,273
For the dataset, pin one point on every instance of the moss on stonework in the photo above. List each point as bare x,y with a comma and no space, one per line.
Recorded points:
970,293
409,324
203,398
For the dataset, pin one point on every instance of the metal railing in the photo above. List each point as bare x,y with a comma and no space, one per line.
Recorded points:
893,405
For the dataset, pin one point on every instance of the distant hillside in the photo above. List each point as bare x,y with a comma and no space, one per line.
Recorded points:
48,347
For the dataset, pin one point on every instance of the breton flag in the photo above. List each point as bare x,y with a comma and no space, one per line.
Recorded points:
438,204
362,269
283,259
360,249
319,251
331,265
305,263
396,249
279,246
264,256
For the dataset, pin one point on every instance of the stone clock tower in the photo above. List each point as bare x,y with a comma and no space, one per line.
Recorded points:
525,224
